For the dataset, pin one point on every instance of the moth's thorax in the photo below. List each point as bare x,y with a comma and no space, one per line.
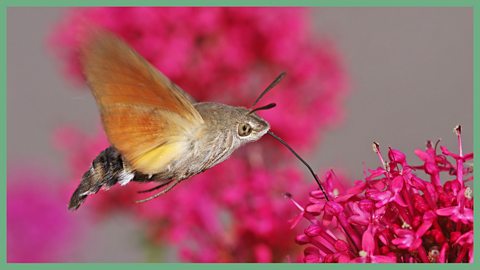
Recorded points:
218,137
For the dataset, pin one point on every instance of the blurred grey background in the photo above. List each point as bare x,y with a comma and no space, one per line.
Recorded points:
411,79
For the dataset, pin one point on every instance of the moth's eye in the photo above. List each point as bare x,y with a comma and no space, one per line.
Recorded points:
244,130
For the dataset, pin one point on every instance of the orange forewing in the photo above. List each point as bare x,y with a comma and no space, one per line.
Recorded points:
143,113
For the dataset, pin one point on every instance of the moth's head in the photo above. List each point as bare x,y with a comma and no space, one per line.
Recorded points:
250,127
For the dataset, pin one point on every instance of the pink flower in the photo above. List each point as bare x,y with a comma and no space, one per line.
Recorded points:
396,216
459,212
366,255
390,195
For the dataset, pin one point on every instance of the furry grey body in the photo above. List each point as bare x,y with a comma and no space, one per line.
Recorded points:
216,140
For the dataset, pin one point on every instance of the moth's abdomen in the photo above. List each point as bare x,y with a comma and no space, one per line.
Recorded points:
107,169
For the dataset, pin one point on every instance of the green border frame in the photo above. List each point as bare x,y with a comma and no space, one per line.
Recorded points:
4,4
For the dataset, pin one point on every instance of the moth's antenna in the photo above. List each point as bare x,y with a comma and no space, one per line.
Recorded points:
303,161
266,107
275,82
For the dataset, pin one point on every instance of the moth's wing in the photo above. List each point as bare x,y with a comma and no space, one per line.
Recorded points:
145,116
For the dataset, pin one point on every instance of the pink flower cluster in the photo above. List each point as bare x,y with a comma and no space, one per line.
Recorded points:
395,215
235,211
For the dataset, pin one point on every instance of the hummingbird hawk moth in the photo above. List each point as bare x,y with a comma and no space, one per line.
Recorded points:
157,132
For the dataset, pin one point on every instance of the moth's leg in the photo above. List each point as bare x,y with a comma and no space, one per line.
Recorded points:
167,189
147,178
154,188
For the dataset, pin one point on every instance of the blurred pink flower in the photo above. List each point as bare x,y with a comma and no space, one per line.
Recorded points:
396,216
235,211
39,229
